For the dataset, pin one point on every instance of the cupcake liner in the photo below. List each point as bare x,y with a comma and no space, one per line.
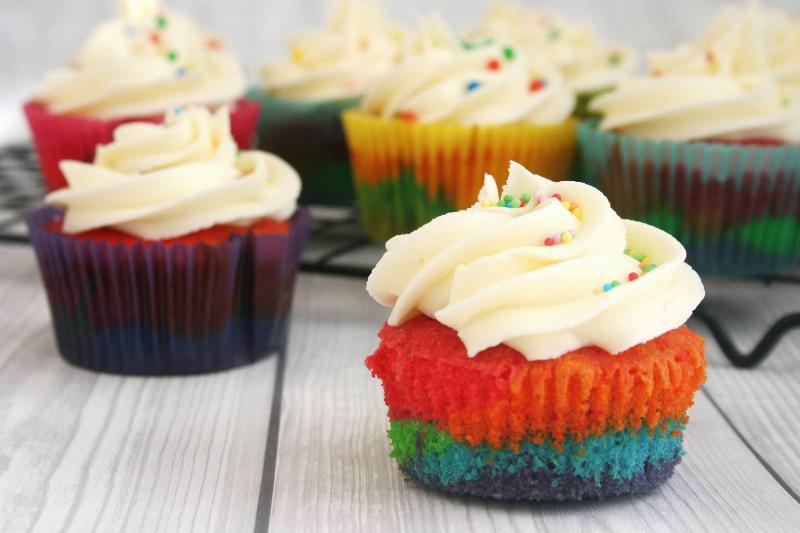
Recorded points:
407,173
58,136
735,207
151,308
501,399
310,137
611,464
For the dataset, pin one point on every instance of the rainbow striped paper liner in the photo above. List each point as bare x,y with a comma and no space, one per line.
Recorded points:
310,137
407,173
58,136
153,309
736,208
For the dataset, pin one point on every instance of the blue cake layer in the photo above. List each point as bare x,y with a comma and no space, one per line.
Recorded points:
612,464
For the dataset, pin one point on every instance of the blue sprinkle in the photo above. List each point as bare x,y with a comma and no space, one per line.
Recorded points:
508,204
181,72
472,85
607,287
178,110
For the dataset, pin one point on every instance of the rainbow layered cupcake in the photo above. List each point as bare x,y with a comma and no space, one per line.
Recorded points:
134,67
590,65
707,146
536,347
428,129
173,252
303,96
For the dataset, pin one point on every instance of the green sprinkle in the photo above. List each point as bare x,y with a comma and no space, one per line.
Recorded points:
161,22
172,55
648,268
501,203
507,198
526,197
554,34
509,53
514,203
627,251
614,59
615,283
786,101
639,256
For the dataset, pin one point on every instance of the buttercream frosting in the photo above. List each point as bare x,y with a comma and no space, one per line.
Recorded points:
144,62
723,87
487,84
339,61
587,62
496,275
159,181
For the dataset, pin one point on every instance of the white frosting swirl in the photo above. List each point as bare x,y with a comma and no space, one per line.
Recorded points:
587,62
486,273
721,88
339,61
162,181
144,62
483,85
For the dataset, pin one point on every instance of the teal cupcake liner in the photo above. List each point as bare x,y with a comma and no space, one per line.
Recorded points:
735,207
309,136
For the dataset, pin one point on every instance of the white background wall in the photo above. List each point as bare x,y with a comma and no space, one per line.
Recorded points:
36,35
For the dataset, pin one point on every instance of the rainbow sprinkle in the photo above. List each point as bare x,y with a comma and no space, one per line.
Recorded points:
645,265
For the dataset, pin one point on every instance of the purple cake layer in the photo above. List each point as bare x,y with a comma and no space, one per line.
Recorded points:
541,485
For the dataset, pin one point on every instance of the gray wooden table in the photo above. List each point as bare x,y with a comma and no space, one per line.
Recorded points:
298,442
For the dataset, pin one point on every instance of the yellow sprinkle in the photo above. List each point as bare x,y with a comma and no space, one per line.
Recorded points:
297,55
644,263
487,203
566,204
566,237
578,212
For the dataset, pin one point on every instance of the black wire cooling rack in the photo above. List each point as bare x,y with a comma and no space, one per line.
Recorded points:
336,246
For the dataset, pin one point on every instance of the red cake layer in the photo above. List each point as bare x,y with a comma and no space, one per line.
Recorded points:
500,397
211,236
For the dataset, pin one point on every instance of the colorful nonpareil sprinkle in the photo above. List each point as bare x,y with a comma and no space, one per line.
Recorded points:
536,85
473,85
644,264
408,116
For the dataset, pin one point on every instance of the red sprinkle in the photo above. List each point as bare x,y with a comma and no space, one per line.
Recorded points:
549,241
710,57
633,276
522,203
409,116
493,64
557,196
536,85
213,43
155,38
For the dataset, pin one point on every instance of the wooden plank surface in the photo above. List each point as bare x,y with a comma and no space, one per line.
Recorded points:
80,451
763,404
333,466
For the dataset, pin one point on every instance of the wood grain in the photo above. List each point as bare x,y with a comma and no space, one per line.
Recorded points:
763,404
333,468
80,451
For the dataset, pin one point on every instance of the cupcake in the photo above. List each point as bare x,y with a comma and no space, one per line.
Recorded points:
426,131
707,146
172,252
302,97
518,362
589,64
133,68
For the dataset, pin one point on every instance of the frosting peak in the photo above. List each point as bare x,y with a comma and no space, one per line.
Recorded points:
159,181
339,61
472,84
544,267
144,62
729,85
